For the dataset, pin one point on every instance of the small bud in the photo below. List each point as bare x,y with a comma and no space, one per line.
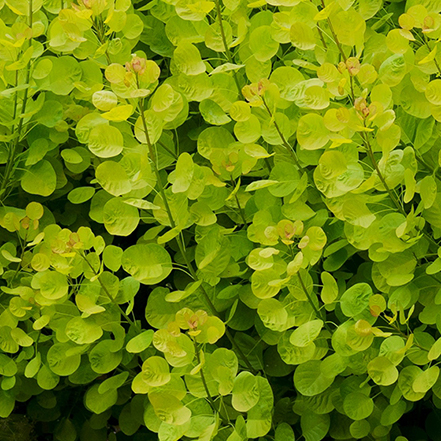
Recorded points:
25,222
353,65
263,85
138,65
341,86
128,78
428,23
360,104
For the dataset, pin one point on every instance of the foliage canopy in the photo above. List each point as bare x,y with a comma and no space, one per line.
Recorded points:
220,219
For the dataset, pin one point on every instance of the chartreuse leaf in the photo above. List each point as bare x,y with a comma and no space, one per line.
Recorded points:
112,257
141,342
188,59
273,314
80,195
104,100
155,371
119,113
245,392
314,426
259,416
406,380
284,432
113,383
113,178
105,141
52,285
306,333
169,408
330,288
59,360
310,380
358,406
435,350
382,371
40,179
97,402
83,331
119,218
426,379
356,299
149,264
311,132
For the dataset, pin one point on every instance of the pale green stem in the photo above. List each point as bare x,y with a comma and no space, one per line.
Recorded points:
311,302
106,291
285,143
224,41
12,151
179,241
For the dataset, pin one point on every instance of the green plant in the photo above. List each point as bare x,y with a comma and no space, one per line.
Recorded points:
220,220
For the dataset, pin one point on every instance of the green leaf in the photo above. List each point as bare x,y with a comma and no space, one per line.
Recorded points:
52,285
141,342
59,362
66,431
188,59
99,403
426,379
105,141
306,333
358,406
259,417
245,393
213,113
113,178
382,371
113,383
355,299
284,432
309,379
149,264
80,195
119,218
169,408
83,331
103,358
314,426
7,403
156,371
39,179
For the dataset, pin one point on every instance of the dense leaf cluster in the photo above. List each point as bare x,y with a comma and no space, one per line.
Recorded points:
220,219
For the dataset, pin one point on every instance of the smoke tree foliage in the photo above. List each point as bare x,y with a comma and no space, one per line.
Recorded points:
220,219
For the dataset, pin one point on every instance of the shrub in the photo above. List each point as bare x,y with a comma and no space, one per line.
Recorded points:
220,220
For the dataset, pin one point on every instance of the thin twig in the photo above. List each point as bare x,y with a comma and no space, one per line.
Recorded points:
285,143
13,149
224,41
179,241
317,312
